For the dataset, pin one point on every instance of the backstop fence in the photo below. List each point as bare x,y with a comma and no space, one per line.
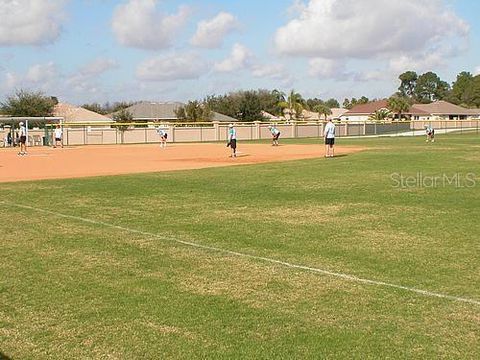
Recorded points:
138,133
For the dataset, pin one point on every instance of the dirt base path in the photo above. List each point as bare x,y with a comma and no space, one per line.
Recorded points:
85,161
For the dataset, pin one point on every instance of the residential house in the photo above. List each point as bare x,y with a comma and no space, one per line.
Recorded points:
439,110
72,114
443,110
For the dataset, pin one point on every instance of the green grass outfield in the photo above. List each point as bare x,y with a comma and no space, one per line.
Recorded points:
110,279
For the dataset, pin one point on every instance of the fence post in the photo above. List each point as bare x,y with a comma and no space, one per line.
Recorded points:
258,134
293,124
216,127
171,130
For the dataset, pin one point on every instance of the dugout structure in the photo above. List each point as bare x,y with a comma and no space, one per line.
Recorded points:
37,130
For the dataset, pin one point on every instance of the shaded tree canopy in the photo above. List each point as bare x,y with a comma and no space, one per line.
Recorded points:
194,111
429,87
323,109
408,81
348,104
398,105
108,108
29,104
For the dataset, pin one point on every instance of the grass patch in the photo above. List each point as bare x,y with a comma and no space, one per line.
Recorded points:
74,289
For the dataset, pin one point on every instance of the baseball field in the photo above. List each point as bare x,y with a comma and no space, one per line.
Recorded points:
372,254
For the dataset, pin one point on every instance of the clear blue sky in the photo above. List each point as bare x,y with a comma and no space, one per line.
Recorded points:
106,50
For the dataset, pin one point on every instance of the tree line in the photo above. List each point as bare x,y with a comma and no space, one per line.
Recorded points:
251,105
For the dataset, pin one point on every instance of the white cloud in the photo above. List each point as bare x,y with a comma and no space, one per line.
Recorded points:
274,71
11,81
41,73
372,75
85,79
30,22
476,71
327,69
368,28
138,23
239,59
176,66
210,34
425,62
98,66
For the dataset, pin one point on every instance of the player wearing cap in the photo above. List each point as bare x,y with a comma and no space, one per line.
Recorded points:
23,139
232,140
275,134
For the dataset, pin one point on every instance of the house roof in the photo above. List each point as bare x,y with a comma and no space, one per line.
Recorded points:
445,108
165,111
368,108
269,116
222,118
72,113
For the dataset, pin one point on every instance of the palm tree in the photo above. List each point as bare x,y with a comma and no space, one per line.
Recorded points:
398,105
294,103
380,115
322,110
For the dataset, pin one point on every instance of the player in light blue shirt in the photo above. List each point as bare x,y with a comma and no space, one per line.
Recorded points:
232,140
275,134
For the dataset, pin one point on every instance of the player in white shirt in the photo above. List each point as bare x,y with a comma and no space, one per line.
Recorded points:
430,132
163,137
58,136
23,139
329,134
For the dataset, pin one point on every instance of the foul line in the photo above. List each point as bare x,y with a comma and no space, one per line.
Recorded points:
248,256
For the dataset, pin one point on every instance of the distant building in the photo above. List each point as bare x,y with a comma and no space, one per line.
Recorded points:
439,110
443,110
362,112
335,115
165,111
270,117
73,114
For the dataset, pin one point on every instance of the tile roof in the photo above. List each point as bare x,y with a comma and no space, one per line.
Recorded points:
72,113
367,109
445,108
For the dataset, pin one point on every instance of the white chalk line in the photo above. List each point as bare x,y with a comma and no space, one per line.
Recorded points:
254,257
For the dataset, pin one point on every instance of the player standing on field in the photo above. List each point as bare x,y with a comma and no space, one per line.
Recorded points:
430,132
23,139
329,134
58,135
275,134
232,140
163,137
